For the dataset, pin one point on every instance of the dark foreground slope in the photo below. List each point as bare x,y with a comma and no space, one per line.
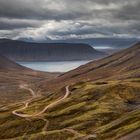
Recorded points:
121,65
12,75
24,51
105,108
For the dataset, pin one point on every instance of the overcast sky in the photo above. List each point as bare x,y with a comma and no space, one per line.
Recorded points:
64,19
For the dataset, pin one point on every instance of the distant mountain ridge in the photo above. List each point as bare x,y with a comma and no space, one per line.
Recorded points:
25,51
112,42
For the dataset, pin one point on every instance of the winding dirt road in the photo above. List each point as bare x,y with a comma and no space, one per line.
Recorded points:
15,112
24,86
38,115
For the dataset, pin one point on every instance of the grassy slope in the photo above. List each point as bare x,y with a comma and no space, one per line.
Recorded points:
99,108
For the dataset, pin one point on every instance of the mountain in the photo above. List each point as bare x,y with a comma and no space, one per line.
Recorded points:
121,65
109,42
24,51
112,42
97,101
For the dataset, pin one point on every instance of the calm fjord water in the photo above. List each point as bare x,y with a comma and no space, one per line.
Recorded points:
62,66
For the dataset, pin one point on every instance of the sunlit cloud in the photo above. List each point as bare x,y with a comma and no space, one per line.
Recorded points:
57,20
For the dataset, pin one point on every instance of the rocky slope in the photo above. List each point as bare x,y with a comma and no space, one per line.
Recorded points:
23,51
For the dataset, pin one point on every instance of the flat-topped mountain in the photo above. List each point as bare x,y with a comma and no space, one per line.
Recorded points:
24,51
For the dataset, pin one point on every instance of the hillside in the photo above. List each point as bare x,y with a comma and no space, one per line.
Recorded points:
121,65
6,64
24,51
91,111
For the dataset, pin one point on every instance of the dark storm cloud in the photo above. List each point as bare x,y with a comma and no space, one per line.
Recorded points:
130,12
58,19
61,9
6,24
40,9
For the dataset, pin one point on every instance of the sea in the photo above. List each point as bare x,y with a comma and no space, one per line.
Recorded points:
58,66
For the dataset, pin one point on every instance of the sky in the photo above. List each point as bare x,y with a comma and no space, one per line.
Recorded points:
69,19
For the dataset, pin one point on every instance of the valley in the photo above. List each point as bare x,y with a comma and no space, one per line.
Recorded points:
99,101
69,70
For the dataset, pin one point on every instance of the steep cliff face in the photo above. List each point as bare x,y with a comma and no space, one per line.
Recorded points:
23,51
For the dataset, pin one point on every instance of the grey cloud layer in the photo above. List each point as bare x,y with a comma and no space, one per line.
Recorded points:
58,19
